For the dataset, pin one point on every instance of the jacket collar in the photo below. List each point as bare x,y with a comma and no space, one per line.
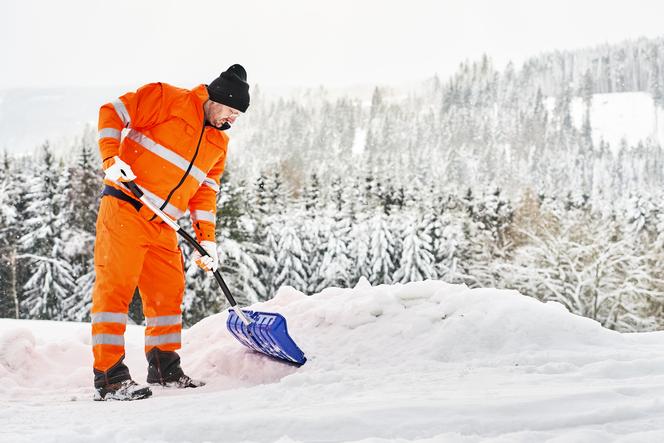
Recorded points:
183,107
201,93
200,96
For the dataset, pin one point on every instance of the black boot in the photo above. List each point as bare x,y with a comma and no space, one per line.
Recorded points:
116,384
164,369
124,390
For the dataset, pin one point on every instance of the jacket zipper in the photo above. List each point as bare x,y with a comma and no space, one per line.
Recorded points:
186,173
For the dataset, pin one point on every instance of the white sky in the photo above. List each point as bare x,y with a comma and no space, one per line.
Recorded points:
294,42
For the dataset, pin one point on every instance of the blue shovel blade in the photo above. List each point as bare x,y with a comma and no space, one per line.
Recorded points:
267,333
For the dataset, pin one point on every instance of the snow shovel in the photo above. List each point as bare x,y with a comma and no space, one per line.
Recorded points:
265,332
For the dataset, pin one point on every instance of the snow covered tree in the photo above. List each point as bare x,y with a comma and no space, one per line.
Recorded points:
240,266
11,206
586,93
336,263
589,267
236,231
417,261
655,86
289,268
51,279
86,184
383,252
449,243
359,245
271,235
80,214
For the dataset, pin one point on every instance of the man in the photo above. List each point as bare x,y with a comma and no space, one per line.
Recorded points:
175,151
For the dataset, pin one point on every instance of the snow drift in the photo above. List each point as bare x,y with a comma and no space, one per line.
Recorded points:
425,360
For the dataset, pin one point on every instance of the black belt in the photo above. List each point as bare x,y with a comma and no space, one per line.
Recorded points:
113,192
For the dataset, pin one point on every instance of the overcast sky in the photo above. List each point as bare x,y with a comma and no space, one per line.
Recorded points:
294,42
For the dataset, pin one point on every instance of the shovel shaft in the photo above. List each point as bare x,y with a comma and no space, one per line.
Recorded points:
133,187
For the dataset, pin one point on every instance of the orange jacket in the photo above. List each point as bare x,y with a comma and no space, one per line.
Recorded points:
177,159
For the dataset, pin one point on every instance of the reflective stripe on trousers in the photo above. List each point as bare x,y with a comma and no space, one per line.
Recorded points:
108,339
109,317
164,320
162,330
158,340
108,328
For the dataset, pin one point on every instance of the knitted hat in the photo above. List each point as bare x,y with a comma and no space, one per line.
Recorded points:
231,88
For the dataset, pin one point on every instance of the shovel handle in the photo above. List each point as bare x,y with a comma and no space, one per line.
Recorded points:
133,187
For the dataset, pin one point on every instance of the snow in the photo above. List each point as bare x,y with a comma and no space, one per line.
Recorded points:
359,141
632,116
420,362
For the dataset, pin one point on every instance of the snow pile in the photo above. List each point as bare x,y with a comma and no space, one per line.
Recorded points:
424,361
396,325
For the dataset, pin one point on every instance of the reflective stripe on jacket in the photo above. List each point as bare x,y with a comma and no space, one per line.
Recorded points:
176,158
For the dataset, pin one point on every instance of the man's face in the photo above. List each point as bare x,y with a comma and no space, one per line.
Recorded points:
218,114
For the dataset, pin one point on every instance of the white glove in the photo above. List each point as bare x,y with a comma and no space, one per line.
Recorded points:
118,170
210,262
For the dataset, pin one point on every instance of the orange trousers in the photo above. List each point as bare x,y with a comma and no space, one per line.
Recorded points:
131,252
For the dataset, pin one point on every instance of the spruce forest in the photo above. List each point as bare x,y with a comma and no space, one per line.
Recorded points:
483,178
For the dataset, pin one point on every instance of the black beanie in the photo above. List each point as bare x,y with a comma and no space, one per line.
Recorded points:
231,88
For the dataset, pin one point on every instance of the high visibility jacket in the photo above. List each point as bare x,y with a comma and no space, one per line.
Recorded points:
177,159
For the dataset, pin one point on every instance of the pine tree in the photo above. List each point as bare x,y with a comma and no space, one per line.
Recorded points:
241,256
272,231
383,253
452,249
263,213
11,205
586,93
655,85
86,186
416,262
80,213
240,266
289,269
52,280
336,263
335,268
376,103
261,203
359,245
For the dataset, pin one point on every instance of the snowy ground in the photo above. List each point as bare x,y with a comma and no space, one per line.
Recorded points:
423,362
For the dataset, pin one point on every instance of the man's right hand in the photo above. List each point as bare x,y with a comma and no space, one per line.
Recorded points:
117,170
210,262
